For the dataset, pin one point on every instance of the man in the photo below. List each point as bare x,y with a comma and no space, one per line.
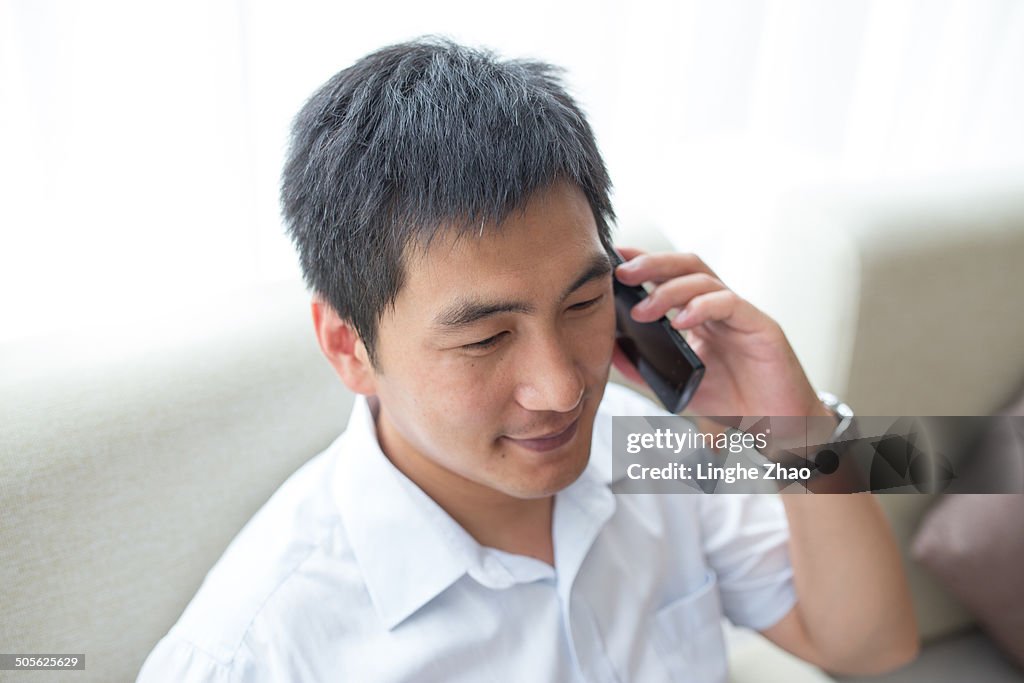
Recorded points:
451,214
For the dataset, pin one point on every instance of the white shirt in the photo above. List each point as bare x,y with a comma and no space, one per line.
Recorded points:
350,572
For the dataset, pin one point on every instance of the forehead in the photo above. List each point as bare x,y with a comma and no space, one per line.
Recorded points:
544,244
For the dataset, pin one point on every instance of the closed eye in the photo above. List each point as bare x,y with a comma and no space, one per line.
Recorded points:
491,341
585,304
486,343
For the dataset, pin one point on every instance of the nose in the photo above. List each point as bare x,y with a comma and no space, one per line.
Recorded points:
549,379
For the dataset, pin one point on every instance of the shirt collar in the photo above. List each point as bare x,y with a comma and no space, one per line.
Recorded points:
409,550
405,556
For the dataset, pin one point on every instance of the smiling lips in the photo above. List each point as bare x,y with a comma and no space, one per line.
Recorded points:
551,442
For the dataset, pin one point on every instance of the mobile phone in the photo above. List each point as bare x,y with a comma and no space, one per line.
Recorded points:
659,352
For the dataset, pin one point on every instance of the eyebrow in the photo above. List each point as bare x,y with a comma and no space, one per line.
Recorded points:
467,312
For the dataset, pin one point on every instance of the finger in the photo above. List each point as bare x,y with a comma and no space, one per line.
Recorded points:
629,253
658,268
675,293
723,305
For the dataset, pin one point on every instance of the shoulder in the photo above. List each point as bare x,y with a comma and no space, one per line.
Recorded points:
262,577
177,659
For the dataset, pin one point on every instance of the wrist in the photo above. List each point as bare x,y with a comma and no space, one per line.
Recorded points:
819,409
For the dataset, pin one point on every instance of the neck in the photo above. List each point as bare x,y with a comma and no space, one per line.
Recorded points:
494,519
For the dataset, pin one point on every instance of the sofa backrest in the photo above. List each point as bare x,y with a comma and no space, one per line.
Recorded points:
129,461
908,301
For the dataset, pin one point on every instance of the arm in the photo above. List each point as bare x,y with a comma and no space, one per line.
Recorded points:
854,614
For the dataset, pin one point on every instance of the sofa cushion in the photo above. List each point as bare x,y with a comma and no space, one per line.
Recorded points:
973,544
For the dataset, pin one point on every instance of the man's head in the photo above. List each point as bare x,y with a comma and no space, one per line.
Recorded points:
440,198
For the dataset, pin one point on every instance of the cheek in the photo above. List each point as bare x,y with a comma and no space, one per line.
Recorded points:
597,339
457,397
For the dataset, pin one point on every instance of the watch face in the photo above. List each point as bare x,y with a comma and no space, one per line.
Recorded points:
835,406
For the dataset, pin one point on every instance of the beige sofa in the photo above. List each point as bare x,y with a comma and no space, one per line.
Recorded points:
129,460
909,300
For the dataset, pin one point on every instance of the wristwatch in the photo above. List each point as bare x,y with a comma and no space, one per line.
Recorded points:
842,412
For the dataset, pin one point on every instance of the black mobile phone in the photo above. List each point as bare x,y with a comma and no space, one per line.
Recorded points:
665,361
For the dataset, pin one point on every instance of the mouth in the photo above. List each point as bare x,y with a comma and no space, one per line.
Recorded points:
550,441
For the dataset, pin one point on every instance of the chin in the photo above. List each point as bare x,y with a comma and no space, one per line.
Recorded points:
547,479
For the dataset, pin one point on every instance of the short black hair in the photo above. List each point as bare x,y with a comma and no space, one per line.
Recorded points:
415,138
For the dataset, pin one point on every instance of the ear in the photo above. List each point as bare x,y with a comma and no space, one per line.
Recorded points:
343,348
